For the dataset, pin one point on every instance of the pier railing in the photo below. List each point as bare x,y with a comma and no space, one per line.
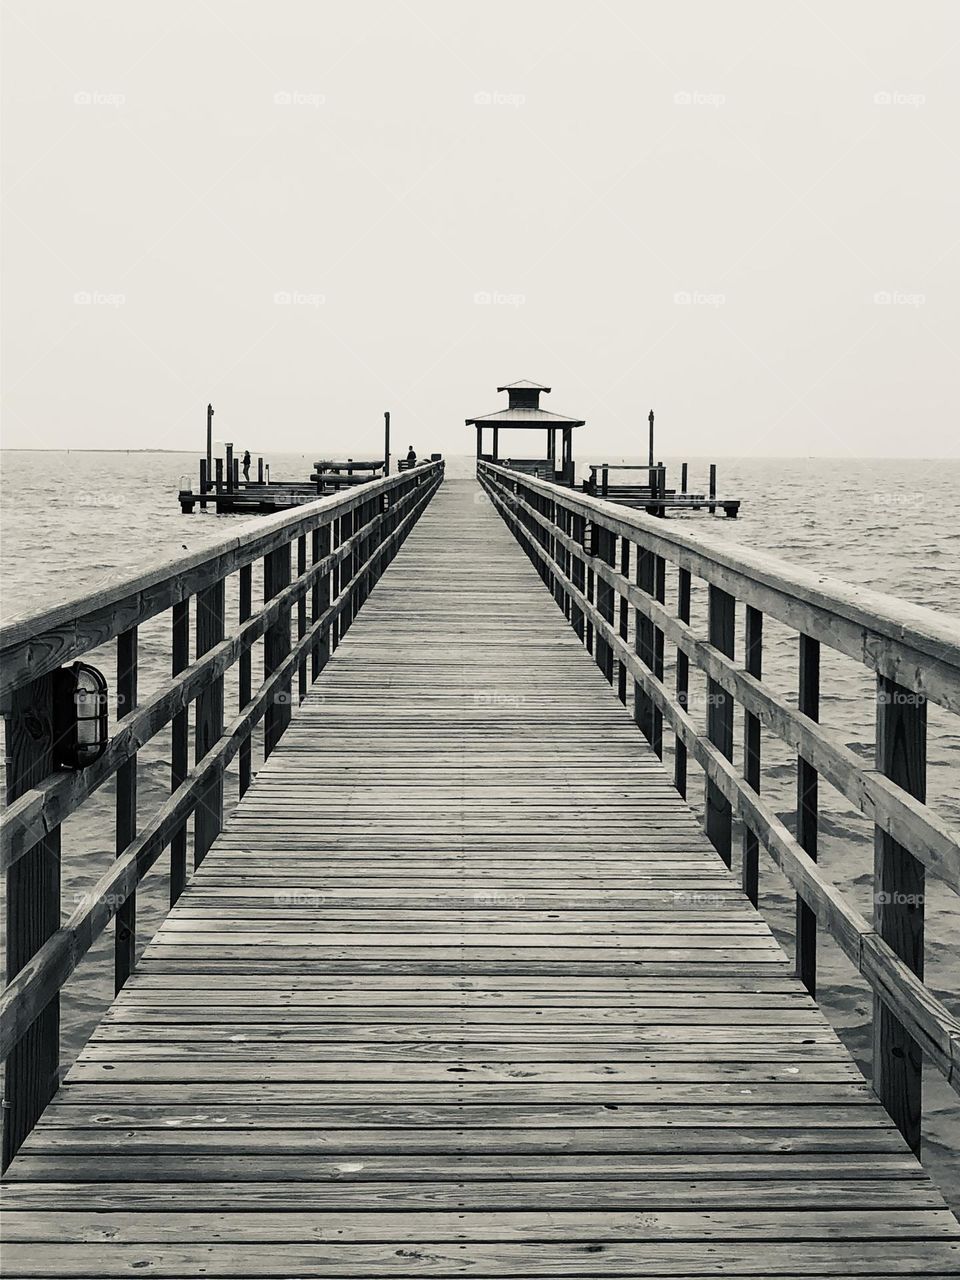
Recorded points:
600,561
318,566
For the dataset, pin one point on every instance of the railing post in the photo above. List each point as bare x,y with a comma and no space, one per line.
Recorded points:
753,658
302,617
208,817
624,618
125,936
276,646
245,686
31,1075
320,601
556,562
648,644
722,627
336,579
809,704
179,744
347,571
683,680
590,548
659,591
898,912
577,574
605,550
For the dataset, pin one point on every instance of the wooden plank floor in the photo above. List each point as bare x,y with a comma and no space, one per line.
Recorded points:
463,990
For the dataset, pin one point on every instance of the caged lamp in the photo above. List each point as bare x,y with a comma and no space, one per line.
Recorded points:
79,716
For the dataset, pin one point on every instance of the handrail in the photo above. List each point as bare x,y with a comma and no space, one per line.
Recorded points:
573,540
40,641
352,539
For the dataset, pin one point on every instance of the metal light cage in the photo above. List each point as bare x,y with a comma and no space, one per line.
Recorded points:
79,716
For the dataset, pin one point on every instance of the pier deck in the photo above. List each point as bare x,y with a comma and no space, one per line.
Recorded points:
462,989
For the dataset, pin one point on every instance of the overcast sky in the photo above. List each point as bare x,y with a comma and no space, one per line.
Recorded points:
742,214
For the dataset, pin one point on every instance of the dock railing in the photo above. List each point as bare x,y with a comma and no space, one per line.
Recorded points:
342,545
600,561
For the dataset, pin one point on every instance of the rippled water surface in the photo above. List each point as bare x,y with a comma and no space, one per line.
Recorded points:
73,521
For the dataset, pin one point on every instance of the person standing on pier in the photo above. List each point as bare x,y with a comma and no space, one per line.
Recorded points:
246,465
411,457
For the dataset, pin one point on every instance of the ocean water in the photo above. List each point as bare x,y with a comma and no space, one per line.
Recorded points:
71,521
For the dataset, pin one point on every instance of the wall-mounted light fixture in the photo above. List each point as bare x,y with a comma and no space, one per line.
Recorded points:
79,716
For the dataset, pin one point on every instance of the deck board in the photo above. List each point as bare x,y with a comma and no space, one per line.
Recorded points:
462,989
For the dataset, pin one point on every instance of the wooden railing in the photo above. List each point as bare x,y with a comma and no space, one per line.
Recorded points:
601,561
343,544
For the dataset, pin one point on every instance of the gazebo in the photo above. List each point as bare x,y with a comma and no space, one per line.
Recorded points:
523,413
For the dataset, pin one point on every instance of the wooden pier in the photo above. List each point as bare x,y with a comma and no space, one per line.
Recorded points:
461,987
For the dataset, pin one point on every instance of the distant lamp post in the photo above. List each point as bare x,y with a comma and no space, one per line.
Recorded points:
79,716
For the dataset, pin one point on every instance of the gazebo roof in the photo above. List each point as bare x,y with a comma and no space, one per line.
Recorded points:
524,385
520,416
